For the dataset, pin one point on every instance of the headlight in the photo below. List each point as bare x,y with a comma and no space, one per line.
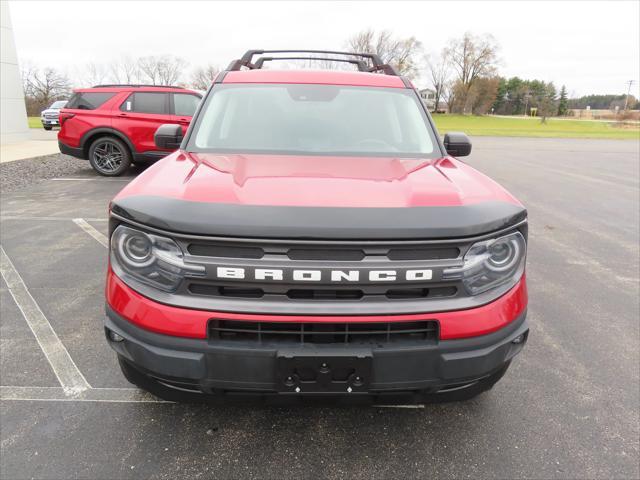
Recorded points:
491,263
149,259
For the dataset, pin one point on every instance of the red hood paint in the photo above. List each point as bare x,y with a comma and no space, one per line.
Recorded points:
293,180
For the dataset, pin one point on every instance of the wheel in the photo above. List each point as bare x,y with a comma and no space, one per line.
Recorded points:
47,127
109,156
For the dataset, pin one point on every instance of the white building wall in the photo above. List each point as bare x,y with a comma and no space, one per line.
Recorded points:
13,114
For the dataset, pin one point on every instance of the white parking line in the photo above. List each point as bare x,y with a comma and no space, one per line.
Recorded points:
63,366
59,219
87,393
104,395
57,394
100,237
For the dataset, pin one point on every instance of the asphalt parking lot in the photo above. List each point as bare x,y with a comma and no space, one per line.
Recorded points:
567,408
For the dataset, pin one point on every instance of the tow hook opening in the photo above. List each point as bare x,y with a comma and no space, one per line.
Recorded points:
114,337
519,339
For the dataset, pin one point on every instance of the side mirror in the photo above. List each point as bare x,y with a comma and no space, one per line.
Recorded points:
457,144
168,136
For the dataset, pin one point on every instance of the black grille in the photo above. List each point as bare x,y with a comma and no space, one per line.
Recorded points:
423,253
323,253
324,294
221,292
320,293
225,251
419,332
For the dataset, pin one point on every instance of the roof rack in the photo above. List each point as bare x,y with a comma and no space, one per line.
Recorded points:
359,63
113,85
377,64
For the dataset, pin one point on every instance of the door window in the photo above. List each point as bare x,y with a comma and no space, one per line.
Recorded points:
146,102
88,100
185,104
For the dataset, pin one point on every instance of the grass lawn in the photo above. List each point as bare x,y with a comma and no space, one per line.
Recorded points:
34,122
532,127
515,127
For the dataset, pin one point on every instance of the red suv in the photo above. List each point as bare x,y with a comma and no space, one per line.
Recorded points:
314,236
113,125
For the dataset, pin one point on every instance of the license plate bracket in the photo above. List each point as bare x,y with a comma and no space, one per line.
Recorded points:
323,373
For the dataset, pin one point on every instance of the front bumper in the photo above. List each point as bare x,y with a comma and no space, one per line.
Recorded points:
209,366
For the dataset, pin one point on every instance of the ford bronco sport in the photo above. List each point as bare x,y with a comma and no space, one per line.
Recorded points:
114,125
312,236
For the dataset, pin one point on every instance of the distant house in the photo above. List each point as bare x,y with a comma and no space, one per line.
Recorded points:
429,98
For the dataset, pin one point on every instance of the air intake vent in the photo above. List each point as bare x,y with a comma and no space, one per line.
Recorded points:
326,333
225,251
321,294
329,255
218,291
423,253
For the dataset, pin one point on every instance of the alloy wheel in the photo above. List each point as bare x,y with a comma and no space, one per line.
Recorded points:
107,157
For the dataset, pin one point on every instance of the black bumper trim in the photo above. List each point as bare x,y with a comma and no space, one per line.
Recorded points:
248,367
74,152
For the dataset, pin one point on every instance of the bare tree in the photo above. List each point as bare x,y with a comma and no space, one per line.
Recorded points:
125,70
162,70
472,57
402,53
449,94
483,94
42,87
93,74
439,69
203,76
149,69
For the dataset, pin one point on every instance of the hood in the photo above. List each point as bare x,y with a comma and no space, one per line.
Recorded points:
287,196
317,181
50,110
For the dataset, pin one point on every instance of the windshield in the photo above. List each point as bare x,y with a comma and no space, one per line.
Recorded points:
59,104
313,120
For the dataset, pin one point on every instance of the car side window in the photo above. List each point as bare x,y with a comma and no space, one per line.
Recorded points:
146,102
88,100
185,104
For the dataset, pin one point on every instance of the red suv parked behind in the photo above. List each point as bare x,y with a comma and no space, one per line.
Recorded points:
113,125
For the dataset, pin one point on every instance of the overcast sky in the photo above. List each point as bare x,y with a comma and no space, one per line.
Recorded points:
591,46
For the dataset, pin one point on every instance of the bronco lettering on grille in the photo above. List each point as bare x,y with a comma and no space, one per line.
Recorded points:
325,275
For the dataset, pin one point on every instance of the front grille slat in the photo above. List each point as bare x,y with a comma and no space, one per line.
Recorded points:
292,333
320,253
319,294
273,258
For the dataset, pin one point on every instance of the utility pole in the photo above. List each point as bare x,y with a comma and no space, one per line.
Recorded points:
626,100
526,102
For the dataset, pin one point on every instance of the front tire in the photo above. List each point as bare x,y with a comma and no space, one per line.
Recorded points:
47,127
109,156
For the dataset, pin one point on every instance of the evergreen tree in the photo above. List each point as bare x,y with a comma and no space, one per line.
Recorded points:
501,96
563,103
